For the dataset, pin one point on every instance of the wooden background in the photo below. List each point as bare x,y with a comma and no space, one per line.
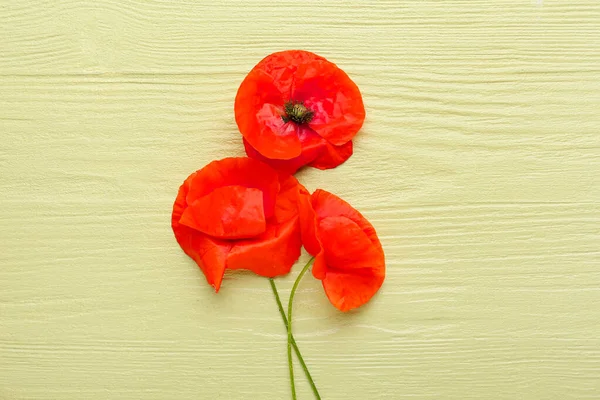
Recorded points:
478,164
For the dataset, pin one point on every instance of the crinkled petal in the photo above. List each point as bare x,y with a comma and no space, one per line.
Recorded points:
210,254
257,89
312,146
348,291
331,156
258,111
349,257
281,67
308,223
229,212
334,98
274,252
347,246
273,137
236,171
287,206
286,166
271,254
319,267
329,205
316,152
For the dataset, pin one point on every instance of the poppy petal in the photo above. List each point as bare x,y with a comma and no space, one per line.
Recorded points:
258,111
281,67
229,212
286,206
273,137
319,267
348,291
334,98
236,171
312,147
349,257
329,205
347,247
257,89
308,223
271,254
331,156
208,253
286,166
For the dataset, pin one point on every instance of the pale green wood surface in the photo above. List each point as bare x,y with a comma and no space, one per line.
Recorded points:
478,164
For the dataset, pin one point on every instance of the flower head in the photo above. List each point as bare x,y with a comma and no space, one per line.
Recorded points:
238,213
295,108
349,259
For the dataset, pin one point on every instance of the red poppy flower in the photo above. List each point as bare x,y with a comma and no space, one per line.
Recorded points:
238,213
349,258
295,108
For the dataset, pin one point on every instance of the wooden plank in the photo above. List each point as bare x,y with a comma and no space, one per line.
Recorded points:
479,165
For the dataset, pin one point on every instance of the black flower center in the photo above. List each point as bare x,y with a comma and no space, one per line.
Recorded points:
297,112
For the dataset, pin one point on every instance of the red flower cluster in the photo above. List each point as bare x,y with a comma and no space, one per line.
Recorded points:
293,109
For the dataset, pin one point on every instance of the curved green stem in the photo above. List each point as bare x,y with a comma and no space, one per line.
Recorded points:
294,344
289,326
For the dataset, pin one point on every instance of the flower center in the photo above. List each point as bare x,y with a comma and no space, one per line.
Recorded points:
297,112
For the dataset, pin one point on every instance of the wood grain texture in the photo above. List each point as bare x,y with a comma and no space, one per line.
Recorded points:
479,165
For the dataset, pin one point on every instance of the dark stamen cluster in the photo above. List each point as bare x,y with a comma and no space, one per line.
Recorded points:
297,112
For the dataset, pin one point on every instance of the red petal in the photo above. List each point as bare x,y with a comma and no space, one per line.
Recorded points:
351,262
329,205
281,67
210,254
348,291
308,223
274,252
271,254
319,267
347,247
229,212
240,171
355,266
285,166
257,89
286,206
331,156
312,146
334,98
316,152
258,111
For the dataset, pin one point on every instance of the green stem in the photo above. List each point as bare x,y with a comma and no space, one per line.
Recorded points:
294,344
289,326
